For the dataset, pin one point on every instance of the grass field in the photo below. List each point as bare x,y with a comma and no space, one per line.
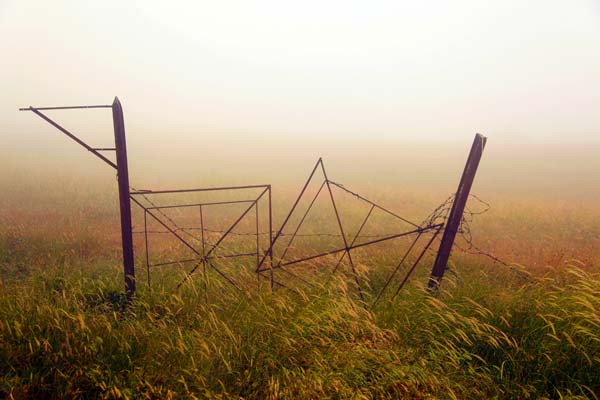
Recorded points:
527,331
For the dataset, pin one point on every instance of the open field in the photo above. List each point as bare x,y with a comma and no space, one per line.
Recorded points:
209,117
530,331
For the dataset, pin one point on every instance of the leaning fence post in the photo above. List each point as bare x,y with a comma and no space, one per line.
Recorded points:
124,201
456,214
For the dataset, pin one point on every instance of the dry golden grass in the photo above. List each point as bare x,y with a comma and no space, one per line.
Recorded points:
532,331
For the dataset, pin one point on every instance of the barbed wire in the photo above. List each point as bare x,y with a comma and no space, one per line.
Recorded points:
177,227
441,213
336,235
438,215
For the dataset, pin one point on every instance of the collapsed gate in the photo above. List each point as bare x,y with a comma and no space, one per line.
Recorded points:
273,256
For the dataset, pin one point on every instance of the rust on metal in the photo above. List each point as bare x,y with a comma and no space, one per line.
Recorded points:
457,211
267,264
124,198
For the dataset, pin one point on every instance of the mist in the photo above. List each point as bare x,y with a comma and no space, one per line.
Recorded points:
390,94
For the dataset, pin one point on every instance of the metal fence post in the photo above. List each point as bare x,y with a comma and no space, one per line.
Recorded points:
456,214
124,201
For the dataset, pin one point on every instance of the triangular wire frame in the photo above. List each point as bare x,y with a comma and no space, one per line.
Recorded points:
349,243
206,254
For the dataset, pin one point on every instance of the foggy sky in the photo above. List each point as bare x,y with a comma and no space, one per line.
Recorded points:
436,69
211,87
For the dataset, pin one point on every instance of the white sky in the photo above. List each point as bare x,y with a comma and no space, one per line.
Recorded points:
399,69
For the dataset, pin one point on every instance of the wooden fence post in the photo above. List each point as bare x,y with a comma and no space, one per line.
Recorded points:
456,214
124,201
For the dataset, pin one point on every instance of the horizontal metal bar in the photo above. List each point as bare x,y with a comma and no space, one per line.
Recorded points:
31,108
200,204
356,246
140,192
419,230
104,148
75,138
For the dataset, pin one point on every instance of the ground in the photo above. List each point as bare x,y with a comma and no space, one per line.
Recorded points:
528,330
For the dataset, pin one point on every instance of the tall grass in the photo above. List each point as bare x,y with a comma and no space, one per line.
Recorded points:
64,334
491,332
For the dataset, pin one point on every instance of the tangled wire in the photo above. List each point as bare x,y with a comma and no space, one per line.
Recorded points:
438,216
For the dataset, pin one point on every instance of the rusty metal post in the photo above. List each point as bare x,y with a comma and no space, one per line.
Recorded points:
456,214
124,201
271,241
